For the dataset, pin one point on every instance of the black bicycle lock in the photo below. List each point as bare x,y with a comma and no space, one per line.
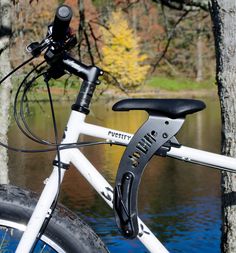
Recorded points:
151,136
61,23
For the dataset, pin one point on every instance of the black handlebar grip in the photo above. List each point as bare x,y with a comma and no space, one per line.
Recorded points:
61,23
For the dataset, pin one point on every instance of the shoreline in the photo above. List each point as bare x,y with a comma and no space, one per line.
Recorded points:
161,93
59,94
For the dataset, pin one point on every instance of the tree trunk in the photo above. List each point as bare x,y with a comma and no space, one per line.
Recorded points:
224,17
6,87
199,54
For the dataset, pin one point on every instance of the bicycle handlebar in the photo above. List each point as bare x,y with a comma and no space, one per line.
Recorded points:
58,41
61,23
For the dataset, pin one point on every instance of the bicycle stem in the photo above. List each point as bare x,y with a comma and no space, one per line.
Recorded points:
90,76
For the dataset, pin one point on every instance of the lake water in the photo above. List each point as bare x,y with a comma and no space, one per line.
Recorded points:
179,202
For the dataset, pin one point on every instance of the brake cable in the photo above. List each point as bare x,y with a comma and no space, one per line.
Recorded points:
29,133
16,117
15,69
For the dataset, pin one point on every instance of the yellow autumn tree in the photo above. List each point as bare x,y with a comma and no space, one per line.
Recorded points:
122,58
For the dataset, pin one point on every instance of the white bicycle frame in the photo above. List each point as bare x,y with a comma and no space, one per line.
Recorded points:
77,126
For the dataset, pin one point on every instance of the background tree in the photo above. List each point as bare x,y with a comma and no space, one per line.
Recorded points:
121,53
23,22
224,20
6,87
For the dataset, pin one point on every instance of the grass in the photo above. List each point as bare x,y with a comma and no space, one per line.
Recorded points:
71,82
178,84
73,86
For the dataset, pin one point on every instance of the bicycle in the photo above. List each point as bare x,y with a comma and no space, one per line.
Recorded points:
29,224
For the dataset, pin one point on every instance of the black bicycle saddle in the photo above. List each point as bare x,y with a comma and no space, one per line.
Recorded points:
172,108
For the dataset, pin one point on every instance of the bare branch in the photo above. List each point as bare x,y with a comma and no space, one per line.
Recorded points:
81,25
170,37
114,81
95,41
186,5
4,43
89,47
88,38
129,4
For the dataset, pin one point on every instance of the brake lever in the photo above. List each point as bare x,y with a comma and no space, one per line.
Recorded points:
36,48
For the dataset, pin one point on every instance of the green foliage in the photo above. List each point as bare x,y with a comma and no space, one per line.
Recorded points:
61,2
178,84
100,3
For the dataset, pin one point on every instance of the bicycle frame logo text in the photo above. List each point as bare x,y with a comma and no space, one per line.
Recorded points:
119,135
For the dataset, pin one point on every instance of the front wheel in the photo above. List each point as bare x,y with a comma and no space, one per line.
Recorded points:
66,232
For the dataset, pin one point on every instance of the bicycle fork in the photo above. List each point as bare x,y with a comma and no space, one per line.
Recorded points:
41,211
50,190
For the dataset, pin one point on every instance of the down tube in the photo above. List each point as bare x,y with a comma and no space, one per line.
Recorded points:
105,190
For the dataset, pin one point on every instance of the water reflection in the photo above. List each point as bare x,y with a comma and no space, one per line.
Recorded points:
180,202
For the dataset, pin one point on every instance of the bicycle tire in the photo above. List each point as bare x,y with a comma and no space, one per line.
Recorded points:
66,232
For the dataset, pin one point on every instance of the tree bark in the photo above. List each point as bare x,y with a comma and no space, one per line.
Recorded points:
187,5
224,16
199,54
6,87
